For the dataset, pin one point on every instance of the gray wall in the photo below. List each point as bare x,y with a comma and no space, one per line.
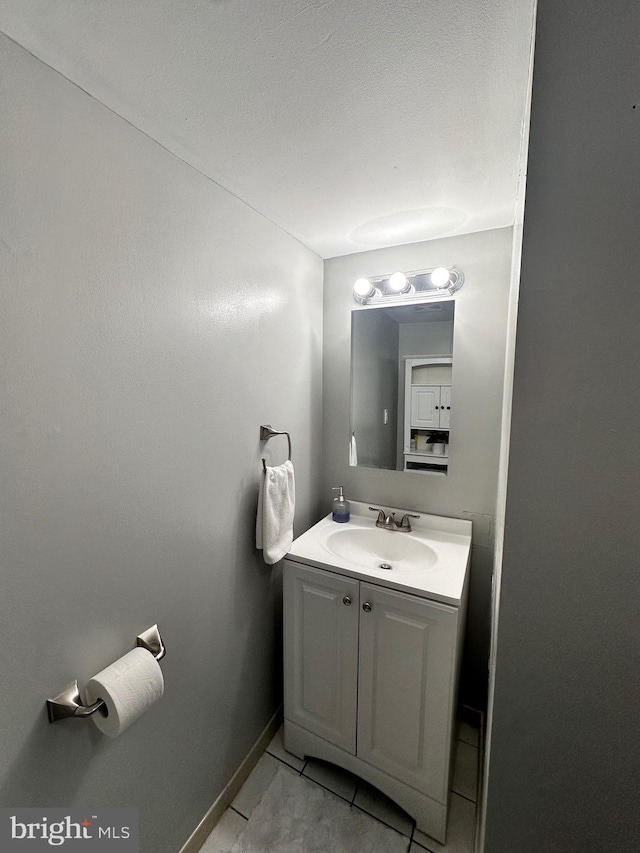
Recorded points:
374,360
479,354
438,332
150,322
565,751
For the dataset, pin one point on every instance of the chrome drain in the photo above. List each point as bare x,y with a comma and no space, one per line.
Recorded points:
384,566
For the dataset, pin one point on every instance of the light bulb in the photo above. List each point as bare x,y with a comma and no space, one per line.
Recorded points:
363,288
440,277
398,282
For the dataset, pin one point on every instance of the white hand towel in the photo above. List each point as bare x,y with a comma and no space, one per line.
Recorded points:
276,507
353,451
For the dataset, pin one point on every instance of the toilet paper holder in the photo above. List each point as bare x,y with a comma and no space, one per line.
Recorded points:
69,704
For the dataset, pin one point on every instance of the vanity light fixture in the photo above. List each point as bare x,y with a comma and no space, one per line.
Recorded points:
446,277
363,289
399,283
440,277
415,286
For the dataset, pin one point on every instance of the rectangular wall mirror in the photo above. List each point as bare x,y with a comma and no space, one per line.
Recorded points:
401,368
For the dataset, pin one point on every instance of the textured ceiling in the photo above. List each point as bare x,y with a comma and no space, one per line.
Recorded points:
352,125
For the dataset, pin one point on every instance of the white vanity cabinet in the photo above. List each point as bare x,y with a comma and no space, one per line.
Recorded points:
406,665
321,652
370,678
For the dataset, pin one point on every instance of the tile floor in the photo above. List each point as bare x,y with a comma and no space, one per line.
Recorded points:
360,795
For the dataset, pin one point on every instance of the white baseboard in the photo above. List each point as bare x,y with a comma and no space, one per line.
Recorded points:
215,812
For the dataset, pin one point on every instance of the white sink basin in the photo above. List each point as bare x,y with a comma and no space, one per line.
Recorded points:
381,549
431,561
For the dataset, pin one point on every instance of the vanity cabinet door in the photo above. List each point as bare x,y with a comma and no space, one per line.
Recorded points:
407,669
321,653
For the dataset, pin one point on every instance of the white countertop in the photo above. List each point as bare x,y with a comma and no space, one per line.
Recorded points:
447,541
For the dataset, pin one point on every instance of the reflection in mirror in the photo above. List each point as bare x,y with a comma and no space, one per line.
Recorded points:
401,364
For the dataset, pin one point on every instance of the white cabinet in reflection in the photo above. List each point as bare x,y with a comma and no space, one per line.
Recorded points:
427,408
430,406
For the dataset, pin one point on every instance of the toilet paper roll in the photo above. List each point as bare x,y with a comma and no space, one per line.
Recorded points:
128,687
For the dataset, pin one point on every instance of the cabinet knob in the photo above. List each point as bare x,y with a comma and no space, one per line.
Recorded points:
366,607
346,600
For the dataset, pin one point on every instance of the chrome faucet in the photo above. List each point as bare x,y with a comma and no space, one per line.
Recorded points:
388,522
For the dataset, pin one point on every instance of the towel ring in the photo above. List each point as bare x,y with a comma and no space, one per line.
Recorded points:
266,431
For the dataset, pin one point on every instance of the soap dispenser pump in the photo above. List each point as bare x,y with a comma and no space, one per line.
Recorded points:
341,509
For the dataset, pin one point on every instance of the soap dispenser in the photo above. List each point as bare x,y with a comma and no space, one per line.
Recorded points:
341,509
